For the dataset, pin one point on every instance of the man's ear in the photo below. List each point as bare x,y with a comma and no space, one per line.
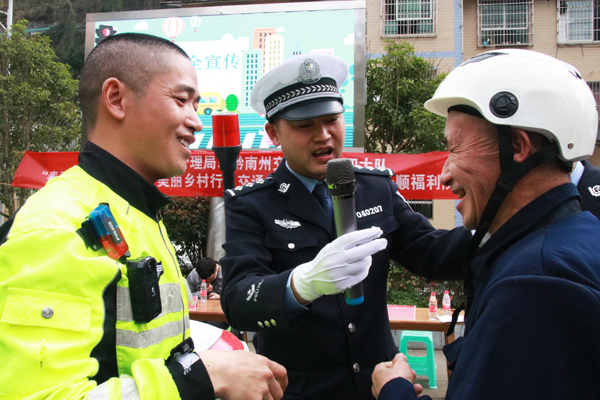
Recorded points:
521,142
113,97
271,130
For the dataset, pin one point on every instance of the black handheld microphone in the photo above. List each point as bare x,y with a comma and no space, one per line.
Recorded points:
341,184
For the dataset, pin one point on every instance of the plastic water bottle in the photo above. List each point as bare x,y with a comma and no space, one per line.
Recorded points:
446,303
433,314
203,291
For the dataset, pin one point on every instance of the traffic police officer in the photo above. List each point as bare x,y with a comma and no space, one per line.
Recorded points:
284,272
83,320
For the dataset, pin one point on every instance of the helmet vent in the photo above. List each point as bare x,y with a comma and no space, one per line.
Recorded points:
504,104
483,56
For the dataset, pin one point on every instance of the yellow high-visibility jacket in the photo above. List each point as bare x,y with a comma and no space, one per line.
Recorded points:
66,325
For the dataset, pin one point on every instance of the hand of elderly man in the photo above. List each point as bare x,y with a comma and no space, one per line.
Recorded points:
397,368
242,375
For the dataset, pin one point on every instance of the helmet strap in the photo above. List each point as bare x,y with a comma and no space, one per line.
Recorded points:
511,173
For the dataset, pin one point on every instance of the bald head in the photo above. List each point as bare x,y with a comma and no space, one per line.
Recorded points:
133,58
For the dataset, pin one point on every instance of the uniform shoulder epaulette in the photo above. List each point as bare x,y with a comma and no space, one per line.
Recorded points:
250,187
374,171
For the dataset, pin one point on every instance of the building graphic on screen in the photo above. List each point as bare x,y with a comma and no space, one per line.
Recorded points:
273,52
259,39
252,67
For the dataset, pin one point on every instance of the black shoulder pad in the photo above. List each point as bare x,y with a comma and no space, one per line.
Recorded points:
250,187
374,171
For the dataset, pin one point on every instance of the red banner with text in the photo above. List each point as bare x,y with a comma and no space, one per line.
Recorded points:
417,175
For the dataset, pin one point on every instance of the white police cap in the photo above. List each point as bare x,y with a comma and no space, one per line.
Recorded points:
302,87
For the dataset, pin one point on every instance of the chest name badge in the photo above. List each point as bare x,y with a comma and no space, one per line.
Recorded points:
369,211
287,223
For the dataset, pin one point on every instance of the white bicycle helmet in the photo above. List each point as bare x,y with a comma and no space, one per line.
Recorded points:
525,89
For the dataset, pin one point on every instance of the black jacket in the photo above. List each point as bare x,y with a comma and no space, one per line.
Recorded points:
532,330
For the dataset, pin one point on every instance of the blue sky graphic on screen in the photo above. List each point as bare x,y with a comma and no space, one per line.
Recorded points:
232,52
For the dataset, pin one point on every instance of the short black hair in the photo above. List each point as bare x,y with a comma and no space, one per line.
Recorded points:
206,267
132,58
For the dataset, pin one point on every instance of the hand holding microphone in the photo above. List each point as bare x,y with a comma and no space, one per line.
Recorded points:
340,265
341,184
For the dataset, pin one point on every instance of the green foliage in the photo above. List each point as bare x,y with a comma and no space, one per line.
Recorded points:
231,103
67,40
398,84
38,108
186,220
48,11
66,20
396,121
408,289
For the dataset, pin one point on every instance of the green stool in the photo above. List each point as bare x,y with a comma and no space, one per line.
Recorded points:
421,365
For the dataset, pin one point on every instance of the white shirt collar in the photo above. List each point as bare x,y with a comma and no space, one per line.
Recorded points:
577,172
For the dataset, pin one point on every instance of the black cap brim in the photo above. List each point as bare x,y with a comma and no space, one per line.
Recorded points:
312,110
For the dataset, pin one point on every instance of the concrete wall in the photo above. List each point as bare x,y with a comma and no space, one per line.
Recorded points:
443,214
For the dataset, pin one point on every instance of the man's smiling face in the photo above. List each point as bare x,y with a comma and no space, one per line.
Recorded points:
163,122
473,166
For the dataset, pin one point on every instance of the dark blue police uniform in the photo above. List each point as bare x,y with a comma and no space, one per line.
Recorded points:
330,350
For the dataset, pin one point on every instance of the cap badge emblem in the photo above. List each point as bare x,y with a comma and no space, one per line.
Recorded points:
309,71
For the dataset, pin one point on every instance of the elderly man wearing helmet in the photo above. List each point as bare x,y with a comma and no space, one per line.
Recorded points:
516,122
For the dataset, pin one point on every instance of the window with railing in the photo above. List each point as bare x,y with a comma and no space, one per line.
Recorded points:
424,207
505,23
578,21
408,17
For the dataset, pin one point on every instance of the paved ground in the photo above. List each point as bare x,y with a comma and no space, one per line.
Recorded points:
441,375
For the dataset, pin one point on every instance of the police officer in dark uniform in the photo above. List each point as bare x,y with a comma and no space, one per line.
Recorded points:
285,269
587,179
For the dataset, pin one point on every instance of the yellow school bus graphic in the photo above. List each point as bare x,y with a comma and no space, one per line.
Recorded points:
210,102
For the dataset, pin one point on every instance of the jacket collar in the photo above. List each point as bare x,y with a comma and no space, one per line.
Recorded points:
557,203
122,180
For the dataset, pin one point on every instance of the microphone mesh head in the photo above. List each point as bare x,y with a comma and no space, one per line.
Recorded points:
340,177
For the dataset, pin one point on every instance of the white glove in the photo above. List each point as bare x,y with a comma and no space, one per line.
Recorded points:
340,265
